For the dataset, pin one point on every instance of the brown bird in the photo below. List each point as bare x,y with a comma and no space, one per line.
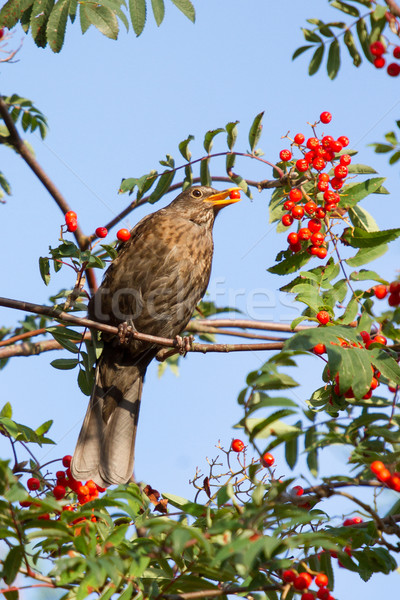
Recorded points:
154,285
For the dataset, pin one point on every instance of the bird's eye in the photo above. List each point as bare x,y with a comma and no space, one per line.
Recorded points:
197,193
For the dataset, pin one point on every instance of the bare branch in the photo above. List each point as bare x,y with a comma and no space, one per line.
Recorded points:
393,7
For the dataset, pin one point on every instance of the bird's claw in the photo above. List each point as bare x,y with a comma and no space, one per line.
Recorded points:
125,332
183,344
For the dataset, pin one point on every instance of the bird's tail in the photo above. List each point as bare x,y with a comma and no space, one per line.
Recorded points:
105,448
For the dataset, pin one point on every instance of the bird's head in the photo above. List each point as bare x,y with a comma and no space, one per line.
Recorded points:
202,203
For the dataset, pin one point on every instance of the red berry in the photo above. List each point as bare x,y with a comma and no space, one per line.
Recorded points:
295,247
396,52
70,216
123,235
302,581
309,156
267,459
314,225
100,489
394,482
337,183
323,317
321,580
321,252
101,232
299,490
317,239
322,186
313,250
299,138
323,593
288,204
379,339
319,349
301,165
60,475
331,196
304,234
312,143
336,146
345,159
285,155
293,238
297,212
343,140
341,171
33,484
376,466
357,520
234,194
295,195
326,141
323,177
59,492
393,70
394,287
380,291
287,220
377,48
2,32
365,336
83,490
288,576
384,474
237,445
394,300
310,207
72,225
325,117
66,461
320,212
379,62
307,596
319,164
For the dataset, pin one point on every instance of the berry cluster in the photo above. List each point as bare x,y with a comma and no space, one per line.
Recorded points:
377,50
302,581
64,482
381,291
71,221
317,153
392,480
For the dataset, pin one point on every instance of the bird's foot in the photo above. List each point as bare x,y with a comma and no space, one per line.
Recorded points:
183,344
125,332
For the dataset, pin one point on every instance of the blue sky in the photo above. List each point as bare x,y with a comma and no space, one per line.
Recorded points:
115,109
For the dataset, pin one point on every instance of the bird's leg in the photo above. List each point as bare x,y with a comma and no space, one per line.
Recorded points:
126,331
183,344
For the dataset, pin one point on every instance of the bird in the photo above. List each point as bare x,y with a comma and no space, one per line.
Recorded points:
153,286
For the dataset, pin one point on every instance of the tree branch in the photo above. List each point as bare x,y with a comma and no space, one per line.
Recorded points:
393,7
152,339
224,591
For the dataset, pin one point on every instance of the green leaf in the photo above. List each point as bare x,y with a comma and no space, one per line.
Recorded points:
366,255
361,169
382,148
291,449
231,130
158,10
366,275
44,266
255,131
84,21
205,176
352,48
10,14
359,238
346,8
64,363
183,148
6,411
291,264
162,186
363,36
103,19
137,11
65,343
12,564
333,63
56,25
187,8
209,137
394,158
40,14
316,60
352,194
310,36
361,218
300,51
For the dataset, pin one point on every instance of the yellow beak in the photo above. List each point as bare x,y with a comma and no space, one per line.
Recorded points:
223,198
